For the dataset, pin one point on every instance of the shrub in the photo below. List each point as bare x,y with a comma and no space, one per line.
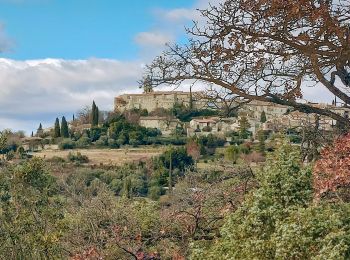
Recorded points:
134,142
103,141
83,142
112,143
78,157
66,144
154,192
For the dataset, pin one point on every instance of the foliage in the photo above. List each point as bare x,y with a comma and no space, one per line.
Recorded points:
263,117
250,232
285,43
64,128
30,213
94,115
193,149
178,157
261,139
66,144
332,171
83,142
78,157
232,153
243,127
57,129
186,114
3,141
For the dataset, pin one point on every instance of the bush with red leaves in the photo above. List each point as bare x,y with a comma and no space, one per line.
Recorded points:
332,171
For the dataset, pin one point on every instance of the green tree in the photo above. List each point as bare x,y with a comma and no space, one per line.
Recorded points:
278,220
40,131
3,141
31,213
64,128
57,129
243,127
232,153
261,139
263,117
94,114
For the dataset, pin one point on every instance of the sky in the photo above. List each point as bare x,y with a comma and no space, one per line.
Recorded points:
57,56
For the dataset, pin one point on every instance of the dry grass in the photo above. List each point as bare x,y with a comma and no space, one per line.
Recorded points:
106,156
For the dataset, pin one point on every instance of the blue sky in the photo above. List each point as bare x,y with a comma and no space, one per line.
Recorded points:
80,29
56,56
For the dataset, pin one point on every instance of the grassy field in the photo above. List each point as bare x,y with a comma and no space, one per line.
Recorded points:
106,156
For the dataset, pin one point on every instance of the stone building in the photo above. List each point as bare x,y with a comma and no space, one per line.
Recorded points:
165,124
212,125
153,100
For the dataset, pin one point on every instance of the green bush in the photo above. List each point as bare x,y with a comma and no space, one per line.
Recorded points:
103,141
78,157
154,192
66,144
83,142
112,143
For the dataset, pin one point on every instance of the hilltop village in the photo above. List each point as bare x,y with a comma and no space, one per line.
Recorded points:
158,112
175,116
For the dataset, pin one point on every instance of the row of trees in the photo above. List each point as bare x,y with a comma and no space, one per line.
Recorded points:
61,131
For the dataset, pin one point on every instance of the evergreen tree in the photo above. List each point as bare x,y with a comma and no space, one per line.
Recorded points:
64,128
261,138
94,114
263,117
39,131
57,130
243,127
32,135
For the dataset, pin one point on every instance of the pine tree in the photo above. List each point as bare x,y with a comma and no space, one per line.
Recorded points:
40,128
32,135
94,114
263,117
64,128
57,132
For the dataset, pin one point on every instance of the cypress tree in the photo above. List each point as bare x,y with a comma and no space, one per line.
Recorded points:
64,128
57,132
39,131
94,115
261,138
263,117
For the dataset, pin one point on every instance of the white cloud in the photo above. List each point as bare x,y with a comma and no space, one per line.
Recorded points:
40,90
178,15
153,39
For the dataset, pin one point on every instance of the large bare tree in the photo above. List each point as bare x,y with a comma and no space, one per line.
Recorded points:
222,100
266,50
